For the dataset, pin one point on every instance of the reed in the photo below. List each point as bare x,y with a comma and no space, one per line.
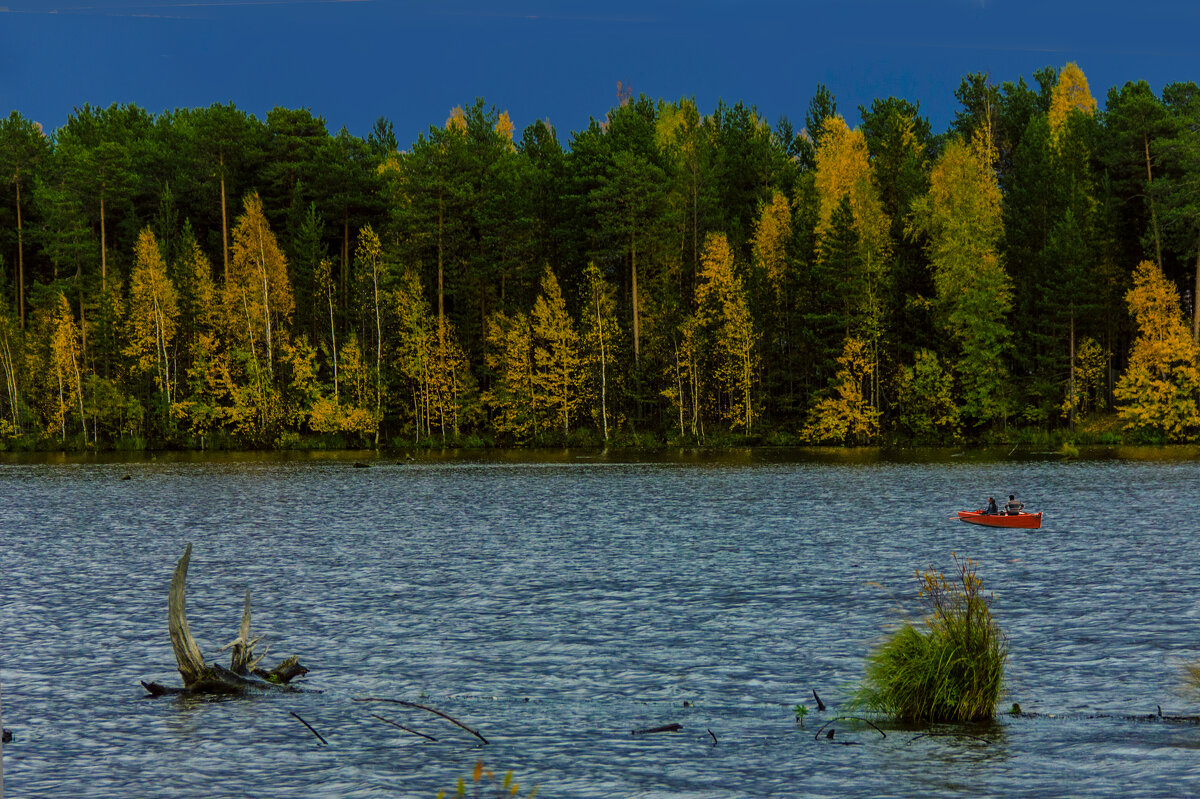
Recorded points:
949,667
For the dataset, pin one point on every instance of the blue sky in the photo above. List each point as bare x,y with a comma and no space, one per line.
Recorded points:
352,61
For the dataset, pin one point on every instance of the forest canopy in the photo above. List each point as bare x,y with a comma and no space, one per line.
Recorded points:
202,278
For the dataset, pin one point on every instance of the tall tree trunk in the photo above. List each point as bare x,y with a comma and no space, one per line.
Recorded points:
262,260
79,394
1196,297
62,412
679,387
1150,201
10,379
20,259
603,371
103,247
1071,380
224,221
345,260
378,350
333,341
441,285
637,328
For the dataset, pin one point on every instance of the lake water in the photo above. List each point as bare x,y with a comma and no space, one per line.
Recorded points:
557,603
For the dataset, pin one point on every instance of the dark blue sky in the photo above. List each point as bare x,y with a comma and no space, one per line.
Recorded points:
352,61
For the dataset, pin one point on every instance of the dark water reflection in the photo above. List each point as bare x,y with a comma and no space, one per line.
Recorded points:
557,605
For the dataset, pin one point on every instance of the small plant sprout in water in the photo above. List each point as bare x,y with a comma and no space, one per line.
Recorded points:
1191,675
801,711
485,784
949,667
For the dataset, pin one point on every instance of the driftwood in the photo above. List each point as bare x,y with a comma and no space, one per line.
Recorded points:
310,728
664,728
243,675
403,703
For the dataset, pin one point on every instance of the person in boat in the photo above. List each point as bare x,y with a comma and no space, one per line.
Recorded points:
992,510
1013,507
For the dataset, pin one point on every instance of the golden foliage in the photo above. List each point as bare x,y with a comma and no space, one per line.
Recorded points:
961,216
846,416
844,170
724,310
600,341
257,294
153,310
1070,95
772,234
557,365
457,119
505,128
1091,364
510,356
64,361
1159,393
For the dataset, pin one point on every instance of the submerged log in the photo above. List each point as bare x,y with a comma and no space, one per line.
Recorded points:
242,676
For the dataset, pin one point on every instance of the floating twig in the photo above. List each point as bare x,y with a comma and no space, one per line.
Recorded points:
310,727
401,726
664,728
847,718
448,718
949,735
710,732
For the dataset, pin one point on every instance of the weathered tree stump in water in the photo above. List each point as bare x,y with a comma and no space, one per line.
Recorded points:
242,676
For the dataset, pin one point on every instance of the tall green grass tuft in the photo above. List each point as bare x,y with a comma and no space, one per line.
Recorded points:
950,667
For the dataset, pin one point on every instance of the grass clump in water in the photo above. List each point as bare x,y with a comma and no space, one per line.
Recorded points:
950,667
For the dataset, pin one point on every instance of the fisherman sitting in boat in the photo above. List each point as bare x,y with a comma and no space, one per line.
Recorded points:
1013,507
992,510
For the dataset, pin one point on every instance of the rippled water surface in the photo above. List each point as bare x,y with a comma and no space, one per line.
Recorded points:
557,606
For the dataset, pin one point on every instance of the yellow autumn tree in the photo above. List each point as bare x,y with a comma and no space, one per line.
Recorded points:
1070,95
457,119
258,294
725,311
64,361
512,395
153,311
557,365
203,407
844,179
505,128
845,415
772,233
369,258
11,363
1158,397
962,218
414,339
844,170
452,386
355,413
600,342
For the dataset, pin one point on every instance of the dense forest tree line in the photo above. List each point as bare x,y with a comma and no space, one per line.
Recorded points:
203,278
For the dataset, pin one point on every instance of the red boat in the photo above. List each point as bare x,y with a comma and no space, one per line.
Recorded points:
1030,521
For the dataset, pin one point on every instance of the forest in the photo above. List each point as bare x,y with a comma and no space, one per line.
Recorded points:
204,279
